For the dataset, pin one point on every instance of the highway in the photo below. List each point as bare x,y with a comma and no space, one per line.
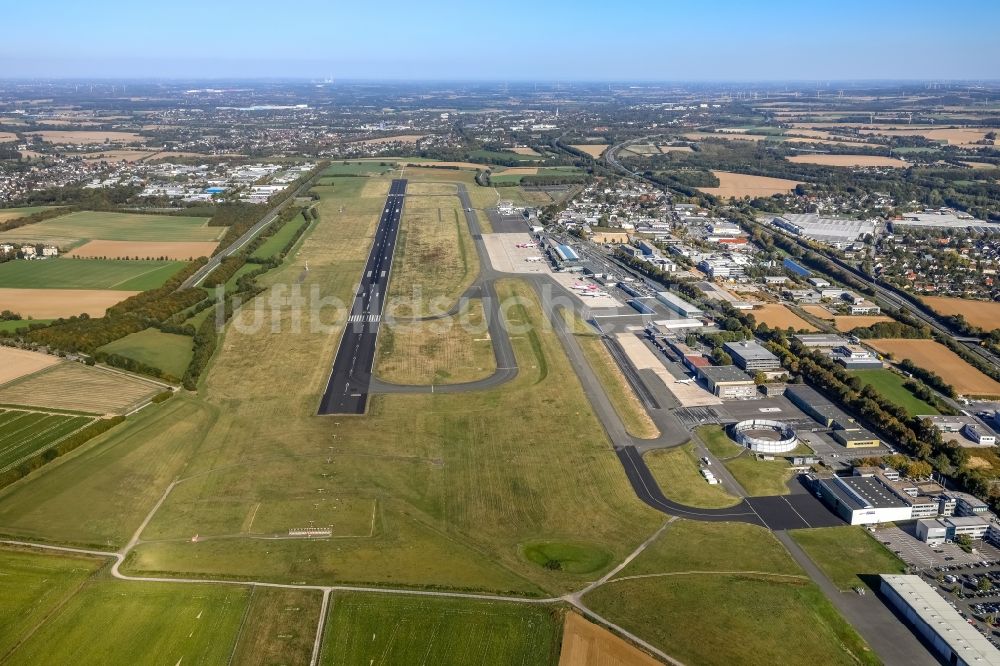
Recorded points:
347,389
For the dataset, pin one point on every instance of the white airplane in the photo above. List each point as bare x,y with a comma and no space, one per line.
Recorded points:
685,381
533,259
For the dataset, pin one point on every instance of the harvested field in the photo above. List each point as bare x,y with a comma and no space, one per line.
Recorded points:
848,322
777,315
850,161
587,644
676,149
94,225
956,136
517,171
743,185
111,249
402,138
981,165
984,314
831,142
77,387
595,150
643,149
86,137
15,363
56,303
119,155
819,311
7,136
524,150
937,358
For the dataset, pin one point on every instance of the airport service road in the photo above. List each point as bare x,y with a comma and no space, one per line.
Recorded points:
347,390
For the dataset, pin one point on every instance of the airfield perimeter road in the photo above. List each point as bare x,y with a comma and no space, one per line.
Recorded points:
347,388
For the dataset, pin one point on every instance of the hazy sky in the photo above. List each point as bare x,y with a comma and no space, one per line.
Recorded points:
504,39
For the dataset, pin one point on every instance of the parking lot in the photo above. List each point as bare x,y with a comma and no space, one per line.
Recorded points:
973,590
920,555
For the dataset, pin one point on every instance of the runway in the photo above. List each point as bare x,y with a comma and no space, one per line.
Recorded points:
350,379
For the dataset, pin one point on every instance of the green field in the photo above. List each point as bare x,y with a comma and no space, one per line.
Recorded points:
25,433
758,477
571,557
87,274
890,384
169,352
118,622
279,240
280,627
14,324
723,619
847,552
93,225
8,214
734,587
359,168
499,178
373,630
32,584
676,472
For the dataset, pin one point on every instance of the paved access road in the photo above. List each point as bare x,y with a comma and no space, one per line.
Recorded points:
347,389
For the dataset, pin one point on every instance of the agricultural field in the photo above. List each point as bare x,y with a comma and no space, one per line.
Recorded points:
139,623
937,358
87,274
359,168
87,137
955,136
11,325
280,239
984,314
8,214
401,138
502,155
595,150
73,228
777,315
676,472
77,387
16,363
280,627
515,174
97,495
526,151
847,553
169,352
382,630
450,350
55,303
850,161
33,585
742,185
587,644
26,433
110,249
890,384
685,573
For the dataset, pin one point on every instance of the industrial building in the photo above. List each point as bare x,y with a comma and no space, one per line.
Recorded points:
856,438
751,356
796,267
970,432
728,381
951,636
936,531
820,340
976,434
816,405
838,232
856,357
677,304
861,500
